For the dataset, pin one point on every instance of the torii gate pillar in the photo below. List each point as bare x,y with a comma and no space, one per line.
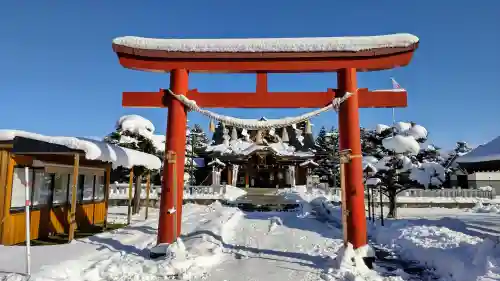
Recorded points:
350,139
171,196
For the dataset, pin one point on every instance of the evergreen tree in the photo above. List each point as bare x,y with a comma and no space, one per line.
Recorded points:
390,167
217,135
200,138
189,164
461,148
327,156
321,142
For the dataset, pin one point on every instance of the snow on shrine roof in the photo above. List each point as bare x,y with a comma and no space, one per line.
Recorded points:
216,161
308,162
483,153
328,46
241,147
93,149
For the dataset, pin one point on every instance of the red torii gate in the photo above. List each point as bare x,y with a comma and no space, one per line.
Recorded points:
344,55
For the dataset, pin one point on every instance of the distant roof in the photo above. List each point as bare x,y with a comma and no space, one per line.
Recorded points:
483,153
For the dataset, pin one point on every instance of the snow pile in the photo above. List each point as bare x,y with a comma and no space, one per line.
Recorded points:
480,208
142,126
349,265
448,253
300,193
258,45
124,255
232,193
94,150
486,188
204,247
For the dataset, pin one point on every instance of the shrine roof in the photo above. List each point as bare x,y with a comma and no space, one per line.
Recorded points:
142,53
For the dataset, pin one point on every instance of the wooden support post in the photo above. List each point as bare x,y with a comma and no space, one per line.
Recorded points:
350,139
172,160
369,199
229,175
130,185
175,142
148,190
373,203
106,194
72,212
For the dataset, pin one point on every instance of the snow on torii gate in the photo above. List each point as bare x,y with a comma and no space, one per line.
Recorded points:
344,55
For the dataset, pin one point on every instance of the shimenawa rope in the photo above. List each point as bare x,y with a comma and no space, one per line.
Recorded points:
252,124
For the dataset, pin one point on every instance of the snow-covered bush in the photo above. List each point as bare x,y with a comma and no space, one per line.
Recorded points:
400,158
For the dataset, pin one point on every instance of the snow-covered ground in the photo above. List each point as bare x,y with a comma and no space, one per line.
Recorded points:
224,243
456,244
218,243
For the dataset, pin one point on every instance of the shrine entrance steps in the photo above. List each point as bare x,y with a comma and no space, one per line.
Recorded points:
256,200
264,200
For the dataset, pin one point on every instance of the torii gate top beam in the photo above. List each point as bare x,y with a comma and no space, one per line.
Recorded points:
272,55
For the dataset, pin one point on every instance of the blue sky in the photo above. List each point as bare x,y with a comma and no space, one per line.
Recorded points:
59,75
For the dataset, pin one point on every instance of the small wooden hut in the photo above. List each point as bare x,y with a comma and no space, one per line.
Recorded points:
58,167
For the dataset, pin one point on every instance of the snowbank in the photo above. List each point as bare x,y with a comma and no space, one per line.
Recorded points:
233,192
349,265
450,254
197,252
94,150
124,253
480,208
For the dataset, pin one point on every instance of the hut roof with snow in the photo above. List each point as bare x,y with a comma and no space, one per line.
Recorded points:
23,142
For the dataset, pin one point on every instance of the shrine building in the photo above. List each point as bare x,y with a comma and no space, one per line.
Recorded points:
274,158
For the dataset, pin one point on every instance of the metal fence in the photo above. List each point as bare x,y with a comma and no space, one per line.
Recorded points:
120,191
432,193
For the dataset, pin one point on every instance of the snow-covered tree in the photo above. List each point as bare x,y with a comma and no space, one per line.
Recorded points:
200,138
461,148
400,162
135,132
218,133
327,146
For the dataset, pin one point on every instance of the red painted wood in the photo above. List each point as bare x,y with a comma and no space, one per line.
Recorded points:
350,139
261,99
270,65
175,141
